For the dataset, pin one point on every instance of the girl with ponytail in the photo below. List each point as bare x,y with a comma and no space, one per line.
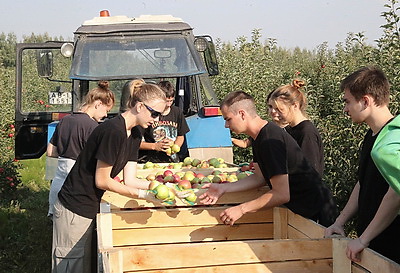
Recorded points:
289,105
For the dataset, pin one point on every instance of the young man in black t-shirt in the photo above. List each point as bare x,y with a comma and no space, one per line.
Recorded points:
280,163
366,98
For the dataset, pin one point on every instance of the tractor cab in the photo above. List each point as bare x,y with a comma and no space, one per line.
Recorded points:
52,78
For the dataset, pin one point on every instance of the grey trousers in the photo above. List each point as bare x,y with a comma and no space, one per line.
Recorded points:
72,235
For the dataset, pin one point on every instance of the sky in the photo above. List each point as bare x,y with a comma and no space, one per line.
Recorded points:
293,23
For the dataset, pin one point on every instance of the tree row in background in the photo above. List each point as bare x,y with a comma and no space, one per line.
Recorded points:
259,67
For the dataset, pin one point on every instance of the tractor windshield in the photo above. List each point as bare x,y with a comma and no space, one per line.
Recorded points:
134,56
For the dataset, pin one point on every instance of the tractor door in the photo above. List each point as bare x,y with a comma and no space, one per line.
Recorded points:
43,95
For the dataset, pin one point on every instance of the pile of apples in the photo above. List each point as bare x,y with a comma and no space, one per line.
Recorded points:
190,179
189,163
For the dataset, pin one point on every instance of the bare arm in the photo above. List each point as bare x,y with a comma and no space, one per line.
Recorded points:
130,177
241,143
278,195
105,182
215,191
346,214
160,146
387,212
179,140
51,150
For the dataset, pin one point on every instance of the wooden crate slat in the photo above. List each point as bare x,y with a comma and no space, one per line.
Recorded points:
293,233
126,237
118,201
308,227
312,266
374,262
371,261
181,217
157,257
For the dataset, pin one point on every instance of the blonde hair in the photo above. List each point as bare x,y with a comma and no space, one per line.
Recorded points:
101,93
290,94
145,92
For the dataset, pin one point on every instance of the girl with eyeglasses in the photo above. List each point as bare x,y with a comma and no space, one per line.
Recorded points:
112,147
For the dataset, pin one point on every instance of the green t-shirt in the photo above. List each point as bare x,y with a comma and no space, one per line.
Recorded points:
386,153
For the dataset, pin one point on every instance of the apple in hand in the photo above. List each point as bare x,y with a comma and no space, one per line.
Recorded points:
153,184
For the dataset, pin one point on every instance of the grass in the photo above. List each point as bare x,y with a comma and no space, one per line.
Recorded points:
25,230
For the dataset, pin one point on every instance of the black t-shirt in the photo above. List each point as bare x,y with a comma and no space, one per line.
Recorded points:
108,143
276,152
72,133
169,126
307,136
373,188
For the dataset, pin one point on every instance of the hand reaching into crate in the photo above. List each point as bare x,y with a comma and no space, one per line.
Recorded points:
211,196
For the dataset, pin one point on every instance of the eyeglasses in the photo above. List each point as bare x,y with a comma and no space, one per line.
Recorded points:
153,113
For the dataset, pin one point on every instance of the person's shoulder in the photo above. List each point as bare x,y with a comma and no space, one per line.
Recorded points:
306,124
176,109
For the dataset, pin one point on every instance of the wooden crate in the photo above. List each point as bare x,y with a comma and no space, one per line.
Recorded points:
136,236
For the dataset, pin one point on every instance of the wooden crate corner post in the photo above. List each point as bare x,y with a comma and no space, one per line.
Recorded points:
280,223
341,264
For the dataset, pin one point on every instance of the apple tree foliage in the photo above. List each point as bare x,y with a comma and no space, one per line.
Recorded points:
259,67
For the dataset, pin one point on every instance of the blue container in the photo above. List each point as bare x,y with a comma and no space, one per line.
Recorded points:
207,132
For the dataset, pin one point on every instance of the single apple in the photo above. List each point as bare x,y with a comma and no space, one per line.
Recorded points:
184,184
200,175
232,178
162,192
189,175
167,173
171,196
153,184
175,148
176,177
192,197
151,177
205,180
241,175
196,162
187,161
169,178
160,178
195,180
216,179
